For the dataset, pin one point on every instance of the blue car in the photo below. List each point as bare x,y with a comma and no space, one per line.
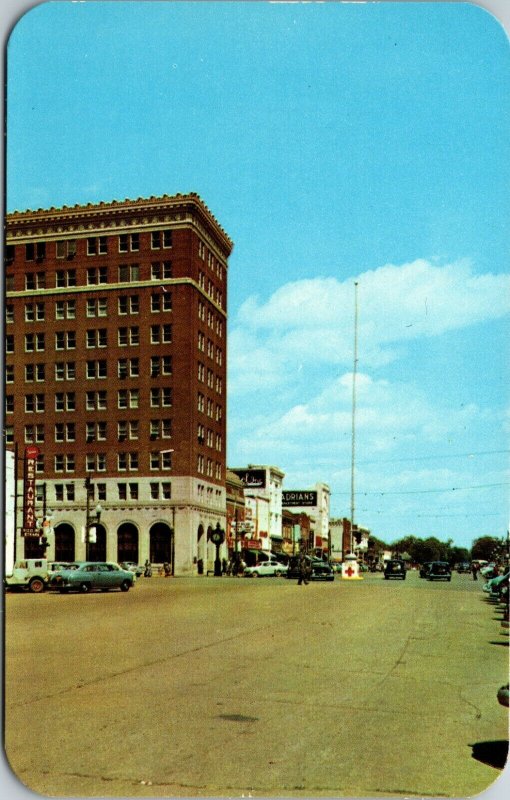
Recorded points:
84,576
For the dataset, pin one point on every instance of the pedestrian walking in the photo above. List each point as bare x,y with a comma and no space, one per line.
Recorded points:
474,570
166,569
147,573
303,571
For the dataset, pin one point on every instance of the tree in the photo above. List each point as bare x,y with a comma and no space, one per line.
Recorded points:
485,548
458,555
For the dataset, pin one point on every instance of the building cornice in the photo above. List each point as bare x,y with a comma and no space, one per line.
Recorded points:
103,218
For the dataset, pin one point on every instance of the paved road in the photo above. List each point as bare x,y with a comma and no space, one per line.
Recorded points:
235,687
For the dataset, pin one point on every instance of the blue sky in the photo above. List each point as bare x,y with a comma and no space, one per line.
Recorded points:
334,143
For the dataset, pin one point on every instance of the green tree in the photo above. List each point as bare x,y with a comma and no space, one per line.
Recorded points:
458,554
485,548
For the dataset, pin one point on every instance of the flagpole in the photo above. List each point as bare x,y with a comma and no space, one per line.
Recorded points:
353,429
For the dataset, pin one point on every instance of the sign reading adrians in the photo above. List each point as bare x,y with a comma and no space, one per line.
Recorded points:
298,499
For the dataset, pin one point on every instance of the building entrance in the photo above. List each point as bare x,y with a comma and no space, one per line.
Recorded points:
127,543
162,544
64,543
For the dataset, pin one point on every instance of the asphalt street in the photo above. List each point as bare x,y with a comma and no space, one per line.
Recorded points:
239,687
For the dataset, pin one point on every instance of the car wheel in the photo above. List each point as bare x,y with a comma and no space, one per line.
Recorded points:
448,579
255,575
386,577
36,585
85,588
125,586
278,574
63,591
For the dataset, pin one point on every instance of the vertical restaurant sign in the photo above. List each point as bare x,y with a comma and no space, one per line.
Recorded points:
29,523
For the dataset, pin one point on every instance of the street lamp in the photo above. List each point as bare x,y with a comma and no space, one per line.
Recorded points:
88,516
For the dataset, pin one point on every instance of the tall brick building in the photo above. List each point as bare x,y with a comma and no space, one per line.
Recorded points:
116,356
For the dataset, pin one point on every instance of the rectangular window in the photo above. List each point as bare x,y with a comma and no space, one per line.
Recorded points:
129,241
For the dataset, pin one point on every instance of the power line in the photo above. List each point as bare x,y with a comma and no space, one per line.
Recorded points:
436,458
431,491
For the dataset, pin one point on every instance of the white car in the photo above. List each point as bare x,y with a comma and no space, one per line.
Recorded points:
271,567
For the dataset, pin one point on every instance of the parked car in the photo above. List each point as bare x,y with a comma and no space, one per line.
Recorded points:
439,570
464,566
424,569
33,574
395,569
266,568
85,576
495,585
133,567
503,695
319,570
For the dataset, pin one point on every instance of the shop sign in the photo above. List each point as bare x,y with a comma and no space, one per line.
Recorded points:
252,478
299,499
29,522
252,544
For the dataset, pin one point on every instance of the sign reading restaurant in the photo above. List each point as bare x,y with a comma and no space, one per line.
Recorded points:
299,499
29,522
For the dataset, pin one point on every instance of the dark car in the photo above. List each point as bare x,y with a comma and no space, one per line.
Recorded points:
439,570
321,571
395,569
424,569
464,566
318,570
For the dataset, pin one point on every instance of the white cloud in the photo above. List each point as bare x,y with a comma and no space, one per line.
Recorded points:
309,323
290,389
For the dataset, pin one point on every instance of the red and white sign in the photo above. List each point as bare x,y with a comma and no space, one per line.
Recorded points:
29,522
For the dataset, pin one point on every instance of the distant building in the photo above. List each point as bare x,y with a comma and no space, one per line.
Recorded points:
315,503
236,513
263,498
116,355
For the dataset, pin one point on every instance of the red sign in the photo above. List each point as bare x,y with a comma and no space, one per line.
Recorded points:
253,544
29,523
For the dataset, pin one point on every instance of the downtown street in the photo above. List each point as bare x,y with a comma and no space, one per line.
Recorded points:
239,687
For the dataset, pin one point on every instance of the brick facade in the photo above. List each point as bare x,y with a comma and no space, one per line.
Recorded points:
116,353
